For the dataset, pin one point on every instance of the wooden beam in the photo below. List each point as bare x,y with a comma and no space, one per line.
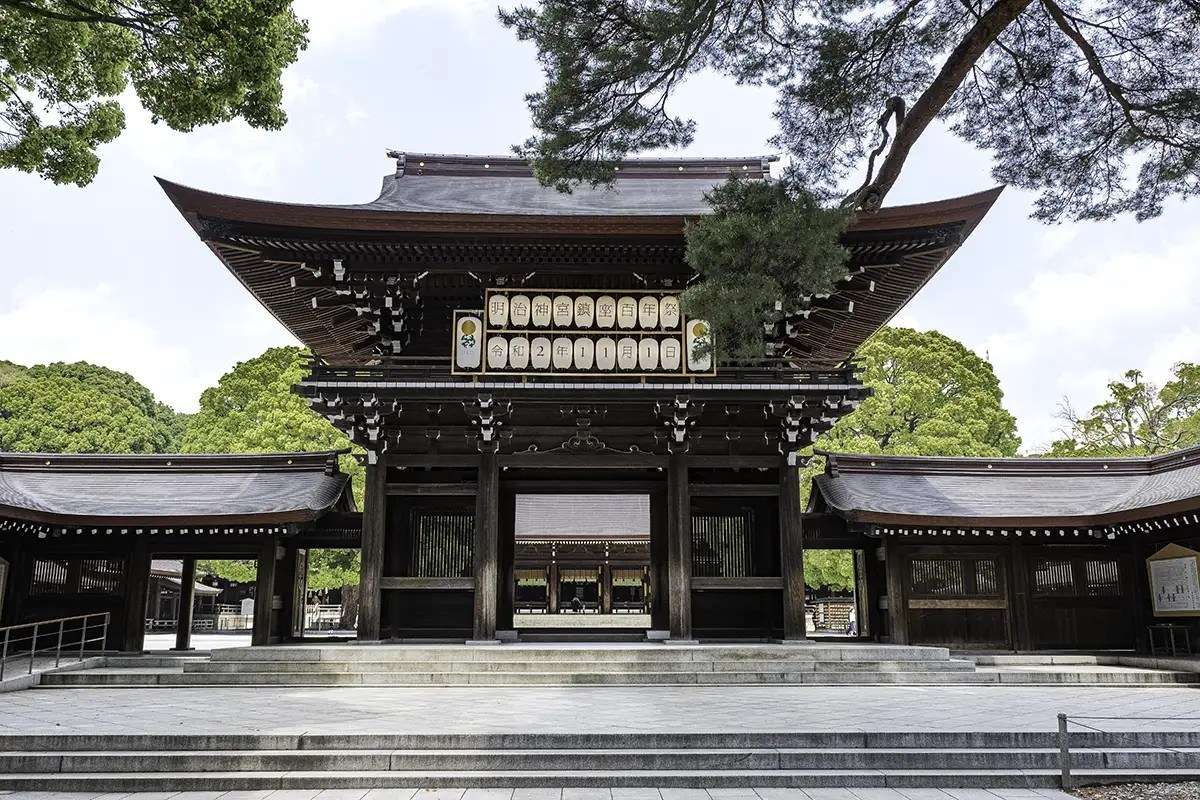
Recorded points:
745,584
373,538
679,546
791,549
735,490
437,584
433,489
187,600
487,517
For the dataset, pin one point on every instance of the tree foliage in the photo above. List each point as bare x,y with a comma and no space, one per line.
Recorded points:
1095,105
83,408
1137,419
10,371
829,569
63,64
763,252
253,409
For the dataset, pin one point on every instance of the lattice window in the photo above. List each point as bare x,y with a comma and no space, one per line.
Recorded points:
101,575
49,577
1053,577
942,578
443,544
1103,576
723,545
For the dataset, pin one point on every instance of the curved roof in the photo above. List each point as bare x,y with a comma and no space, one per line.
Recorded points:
464,216
169,489
1013,492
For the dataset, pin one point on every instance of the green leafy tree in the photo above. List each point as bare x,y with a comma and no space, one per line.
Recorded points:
236,570
763,252
830,569
1137,419
931,396
64,62
83,408
1096,105
10,371
253,409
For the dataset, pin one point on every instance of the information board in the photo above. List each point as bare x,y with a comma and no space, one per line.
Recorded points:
1175,582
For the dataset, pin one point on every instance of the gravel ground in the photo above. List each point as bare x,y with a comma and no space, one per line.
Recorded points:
1142,791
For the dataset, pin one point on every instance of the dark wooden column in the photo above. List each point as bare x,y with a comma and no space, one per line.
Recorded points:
187,600
137,585
264,595
373,535
658,595
791,549
1018,599
1135,575
897,611
679,546
506,564
487,555
552,589
606,588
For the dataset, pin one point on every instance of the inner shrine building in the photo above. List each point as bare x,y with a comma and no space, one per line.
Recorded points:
486,340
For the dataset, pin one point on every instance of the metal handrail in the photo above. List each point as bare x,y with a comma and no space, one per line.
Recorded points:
1066,780
13,643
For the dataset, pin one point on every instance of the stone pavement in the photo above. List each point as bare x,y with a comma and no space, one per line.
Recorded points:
599,709
564,794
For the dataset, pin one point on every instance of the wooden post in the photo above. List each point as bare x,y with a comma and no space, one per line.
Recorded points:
1138,578
137,585
606,588
679,546
264,595
1022,630
373,536
658,595
487,556
897,611
187,599
552,589
791,549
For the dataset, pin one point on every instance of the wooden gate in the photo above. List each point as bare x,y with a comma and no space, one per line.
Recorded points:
1078,599
957,599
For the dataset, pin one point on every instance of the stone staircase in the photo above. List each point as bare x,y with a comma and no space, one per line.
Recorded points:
130,763
550,665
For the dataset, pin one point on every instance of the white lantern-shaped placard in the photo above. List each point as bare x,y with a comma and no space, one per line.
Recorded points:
518,310
648,311
606,353
668,313
497,352
648,354
497,311
540,311
627,311
670,353
606,311
585,311
585,353
518,352
468,343
699,346
539,353
561,357
627,353
564,311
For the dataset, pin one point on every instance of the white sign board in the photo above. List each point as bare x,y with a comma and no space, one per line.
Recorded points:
1175,585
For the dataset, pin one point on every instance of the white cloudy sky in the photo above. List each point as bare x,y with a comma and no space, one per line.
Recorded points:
112,274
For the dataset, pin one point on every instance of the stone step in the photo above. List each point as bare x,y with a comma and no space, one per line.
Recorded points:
614,653
707,778
855,759
152,677
633,667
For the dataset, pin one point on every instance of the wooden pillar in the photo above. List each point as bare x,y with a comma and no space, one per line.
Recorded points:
487,555
373,536
552,589
897,611
1134,574
137,584
1018,599
506,569
791,549
657,594
187,600
606,589
264,595
679,546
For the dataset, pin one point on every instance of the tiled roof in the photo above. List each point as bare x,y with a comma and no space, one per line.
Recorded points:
1015,491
